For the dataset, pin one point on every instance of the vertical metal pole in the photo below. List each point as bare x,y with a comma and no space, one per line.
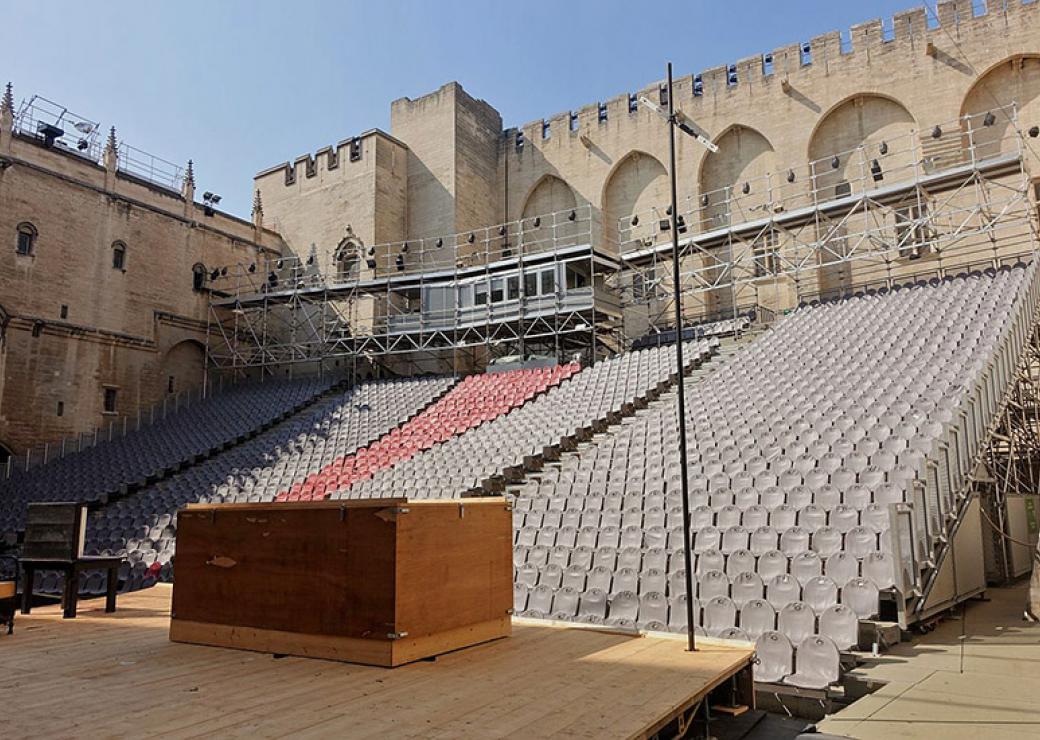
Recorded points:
684,483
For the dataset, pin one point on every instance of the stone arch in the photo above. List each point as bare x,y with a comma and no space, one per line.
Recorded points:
731,181
733,189
549,196
862,140
854,134
638,184
1015,79
184,366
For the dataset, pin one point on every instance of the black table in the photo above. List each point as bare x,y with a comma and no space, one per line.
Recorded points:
71,569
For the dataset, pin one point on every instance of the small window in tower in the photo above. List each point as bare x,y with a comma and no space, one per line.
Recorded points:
198,276
118,256
64,312
169,384
110,400
61,408
26,242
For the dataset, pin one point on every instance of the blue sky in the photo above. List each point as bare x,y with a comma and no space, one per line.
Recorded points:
239,86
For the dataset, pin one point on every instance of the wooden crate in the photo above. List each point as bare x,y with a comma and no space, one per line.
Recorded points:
378,581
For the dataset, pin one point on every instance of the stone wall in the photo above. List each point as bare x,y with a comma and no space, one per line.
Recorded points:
76,323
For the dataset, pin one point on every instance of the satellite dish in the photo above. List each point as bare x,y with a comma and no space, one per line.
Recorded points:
84,127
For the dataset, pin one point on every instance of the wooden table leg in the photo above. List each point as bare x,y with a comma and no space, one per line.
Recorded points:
71,596
27,586
112,585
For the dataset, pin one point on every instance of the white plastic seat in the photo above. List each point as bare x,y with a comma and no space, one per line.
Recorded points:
710,560
797,621
860,542
757,617
712,583
841,568
818,664
623,608
820,593
746,586
806,565
774,658
861,596
879,568
719,614
826,541
840,624
741,561
782,590
771,564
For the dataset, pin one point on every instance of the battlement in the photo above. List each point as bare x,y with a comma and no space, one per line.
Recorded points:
914,31
347,155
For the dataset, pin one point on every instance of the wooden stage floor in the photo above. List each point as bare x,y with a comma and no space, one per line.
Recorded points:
118,675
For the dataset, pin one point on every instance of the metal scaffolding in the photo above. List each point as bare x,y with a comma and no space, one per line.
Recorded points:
537,285
938,202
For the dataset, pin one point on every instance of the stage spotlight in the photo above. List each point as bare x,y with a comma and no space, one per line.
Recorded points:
471,238
835,163
310,260
404,247
668,211
252,267
875,171
937,132
680,223
400,262
223,272
664,225
439,243
214,275
989,119
635,220
705,200
1034,132
278,264
371,251
883,149
501,230
572,215
82,145
371,264
746,189
537,221
790,175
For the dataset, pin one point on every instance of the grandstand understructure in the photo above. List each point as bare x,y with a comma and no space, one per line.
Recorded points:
861,380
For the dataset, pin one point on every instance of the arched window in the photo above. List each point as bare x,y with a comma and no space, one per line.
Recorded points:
198,276
27,234
118,256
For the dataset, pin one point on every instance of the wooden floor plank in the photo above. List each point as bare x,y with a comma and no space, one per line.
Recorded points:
545,681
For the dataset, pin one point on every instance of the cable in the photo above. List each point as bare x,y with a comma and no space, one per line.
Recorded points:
1001,532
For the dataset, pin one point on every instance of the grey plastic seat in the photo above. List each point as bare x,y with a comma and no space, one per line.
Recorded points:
719,614
520,592
712,583
820,593
841,568
782,590
624,608
771,564
539,601
653,607
710,560
592,606
826,541
861,596
565,604
879,568
741,561
745,587
818,664
840,624
774,658
757,617
797,621
806,565
551,576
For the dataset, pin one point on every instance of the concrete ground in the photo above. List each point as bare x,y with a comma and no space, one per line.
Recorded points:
932,689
